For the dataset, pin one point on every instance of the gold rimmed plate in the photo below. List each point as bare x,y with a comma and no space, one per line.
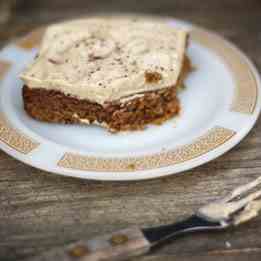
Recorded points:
220,105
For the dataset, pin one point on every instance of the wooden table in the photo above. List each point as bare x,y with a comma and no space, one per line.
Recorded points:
39,211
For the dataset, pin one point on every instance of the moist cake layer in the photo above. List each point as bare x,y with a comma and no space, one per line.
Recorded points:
103,60
151,107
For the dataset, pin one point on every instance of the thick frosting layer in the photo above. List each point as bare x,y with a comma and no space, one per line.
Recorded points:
104,60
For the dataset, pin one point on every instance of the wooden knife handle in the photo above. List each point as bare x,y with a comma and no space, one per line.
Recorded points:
116,246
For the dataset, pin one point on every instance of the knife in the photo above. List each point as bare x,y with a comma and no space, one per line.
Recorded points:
232,210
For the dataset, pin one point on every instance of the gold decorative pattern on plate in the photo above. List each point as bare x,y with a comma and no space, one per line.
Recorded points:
246,86
4,67
32,39
14,139
9,135
211,140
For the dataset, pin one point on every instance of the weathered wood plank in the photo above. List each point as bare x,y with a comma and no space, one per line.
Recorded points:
39,211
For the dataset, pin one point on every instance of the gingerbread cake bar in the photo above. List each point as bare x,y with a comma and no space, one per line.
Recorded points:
118,73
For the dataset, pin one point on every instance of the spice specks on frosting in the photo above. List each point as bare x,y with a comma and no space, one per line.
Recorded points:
53,61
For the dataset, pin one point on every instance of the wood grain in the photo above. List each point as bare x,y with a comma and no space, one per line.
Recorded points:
39,211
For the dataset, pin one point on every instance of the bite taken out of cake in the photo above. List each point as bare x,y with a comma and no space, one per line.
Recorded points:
119,73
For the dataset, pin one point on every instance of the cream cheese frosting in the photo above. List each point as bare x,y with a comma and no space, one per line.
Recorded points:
104,60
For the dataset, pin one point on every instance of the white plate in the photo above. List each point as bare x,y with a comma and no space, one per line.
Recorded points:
219,107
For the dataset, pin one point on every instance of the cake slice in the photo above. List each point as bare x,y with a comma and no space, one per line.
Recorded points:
120,73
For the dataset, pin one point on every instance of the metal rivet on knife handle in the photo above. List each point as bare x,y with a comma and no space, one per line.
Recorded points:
78,251
118,239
